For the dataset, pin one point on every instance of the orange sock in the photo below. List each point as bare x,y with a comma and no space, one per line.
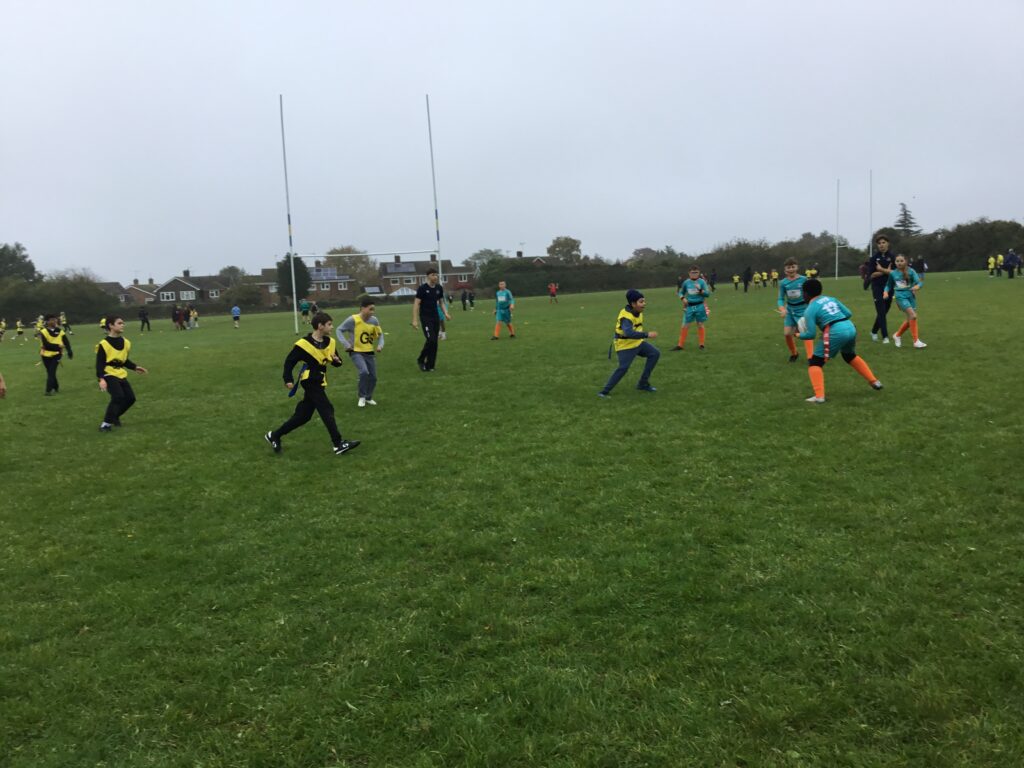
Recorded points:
682,335
809,348
497,329
913,328
817,379
511,329
903,328
700,334
791,344
861,367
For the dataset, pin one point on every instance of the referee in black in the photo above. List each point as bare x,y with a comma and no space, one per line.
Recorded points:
429,297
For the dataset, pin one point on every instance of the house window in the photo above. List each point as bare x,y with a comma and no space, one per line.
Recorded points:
214,293
166,295
272,288
409,280
150,300
395,281
188,295
463,278
342,286
325,286
444,279
122,298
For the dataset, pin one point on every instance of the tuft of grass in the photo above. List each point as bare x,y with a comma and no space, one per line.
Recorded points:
510,571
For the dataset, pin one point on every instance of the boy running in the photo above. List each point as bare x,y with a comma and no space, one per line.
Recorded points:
838,335
791,306
693,292
631,340
904,283
504,303
315,351
361,336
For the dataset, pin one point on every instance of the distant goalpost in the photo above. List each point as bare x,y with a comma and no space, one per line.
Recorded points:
288,208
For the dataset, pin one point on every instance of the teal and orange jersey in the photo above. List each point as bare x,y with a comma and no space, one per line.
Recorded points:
902,287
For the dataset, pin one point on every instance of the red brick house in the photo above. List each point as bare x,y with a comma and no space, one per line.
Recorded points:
402,278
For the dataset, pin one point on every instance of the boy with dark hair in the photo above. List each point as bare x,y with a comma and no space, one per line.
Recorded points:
111,362
879,267
361,336
53,343
631,340
315,351
838,335
427,308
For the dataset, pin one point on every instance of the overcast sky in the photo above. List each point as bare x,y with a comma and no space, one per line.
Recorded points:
142,138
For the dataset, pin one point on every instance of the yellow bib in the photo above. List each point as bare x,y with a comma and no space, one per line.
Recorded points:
638,325
58,340
365,335
116,358
322,356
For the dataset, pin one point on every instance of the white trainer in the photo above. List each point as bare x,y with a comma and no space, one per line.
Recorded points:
874,337
814,399
362,402
919,344
885,340
371,402
897,341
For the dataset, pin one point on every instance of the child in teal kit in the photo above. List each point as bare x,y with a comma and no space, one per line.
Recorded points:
693,292
504,303
904,283
791,306
838,336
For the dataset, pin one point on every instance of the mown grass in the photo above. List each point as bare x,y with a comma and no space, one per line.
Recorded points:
512,572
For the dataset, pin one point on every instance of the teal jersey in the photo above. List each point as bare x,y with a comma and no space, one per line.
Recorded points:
823,311
791,292
504,300
694,291
902,287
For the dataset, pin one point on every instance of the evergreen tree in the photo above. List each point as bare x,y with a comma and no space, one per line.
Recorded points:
284,279
905,223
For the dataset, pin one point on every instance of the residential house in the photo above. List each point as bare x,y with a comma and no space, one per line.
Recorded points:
402,278
141,293
115,290
189,289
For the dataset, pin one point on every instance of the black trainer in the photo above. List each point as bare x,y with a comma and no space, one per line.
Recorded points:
345,446
275,444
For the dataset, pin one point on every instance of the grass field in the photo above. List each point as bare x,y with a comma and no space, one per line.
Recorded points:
510,571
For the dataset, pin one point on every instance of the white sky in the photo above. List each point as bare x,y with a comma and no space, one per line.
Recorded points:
142,138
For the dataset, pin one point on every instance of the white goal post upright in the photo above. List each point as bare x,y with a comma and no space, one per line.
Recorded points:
433,181
288,208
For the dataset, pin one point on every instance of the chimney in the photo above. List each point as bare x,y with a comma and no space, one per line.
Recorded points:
135,281
185,273
519,254
398,259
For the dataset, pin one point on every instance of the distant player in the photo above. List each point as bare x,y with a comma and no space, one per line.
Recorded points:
991,266
112,366
631,340
693,293
53,342
315,350
904,283
838,336
736,282
3,328
236,315
144,324
791,306
552,293
19,328
361,336
66,325
504,304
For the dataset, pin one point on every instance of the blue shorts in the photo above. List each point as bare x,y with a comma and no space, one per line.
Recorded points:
793,313
695,313
503,315
836,339
905,303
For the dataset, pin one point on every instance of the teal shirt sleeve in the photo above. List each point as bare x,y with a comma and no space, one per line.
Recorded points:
782,293
890,284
